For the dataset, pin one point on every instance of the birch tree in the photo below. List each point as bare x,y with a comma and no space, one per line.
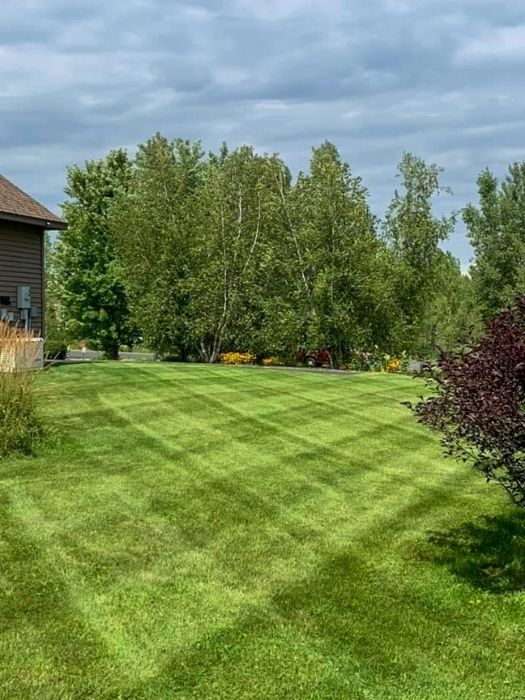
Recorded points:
232,217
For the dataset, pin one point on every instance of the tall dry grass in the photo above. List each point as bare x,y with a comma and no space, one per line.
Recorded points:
21,428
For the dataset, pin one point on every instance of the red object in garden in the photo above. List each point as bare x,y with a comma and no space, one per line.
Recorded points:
313,358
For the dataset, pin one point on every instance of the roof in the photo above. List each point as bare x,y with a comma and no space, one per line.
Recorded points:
16,205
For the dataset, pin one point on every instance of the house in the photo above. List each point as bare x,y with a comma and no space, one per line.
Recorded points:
23,222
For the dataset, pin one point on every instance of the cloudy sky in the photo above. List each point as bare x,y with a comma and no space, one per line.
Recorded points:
442,78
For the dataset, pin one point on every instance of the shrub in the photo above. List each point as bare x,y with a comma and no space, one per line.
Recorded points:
20,426
237,358
377,361
478,404
273,362
55,350
365,361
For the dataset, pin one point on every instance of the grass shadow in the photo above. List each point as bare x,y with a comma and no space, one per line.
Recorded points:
488,553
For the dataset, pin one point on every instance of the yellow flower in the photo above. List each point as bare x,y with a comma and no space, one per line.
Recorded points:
237,358
393,364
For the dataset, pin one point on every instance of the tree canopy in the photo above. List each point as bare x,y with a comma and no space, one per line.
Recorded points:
201,253
84,276
496,229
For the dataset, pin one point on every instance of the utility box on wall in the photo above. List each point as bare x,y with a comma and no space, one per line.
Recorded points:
23,297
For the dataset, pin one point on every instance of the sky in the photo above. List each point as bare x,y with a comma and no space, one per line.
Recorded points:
441,78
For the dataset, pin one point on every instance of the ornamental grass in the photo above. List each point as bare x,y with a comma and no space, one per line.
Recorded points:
20,426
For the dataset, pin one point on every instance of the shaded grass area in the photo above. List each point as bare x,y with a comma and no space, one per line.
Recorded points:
208,532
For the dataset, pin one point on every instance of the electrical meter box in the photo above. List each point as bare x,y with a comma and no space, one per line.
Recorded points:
23,297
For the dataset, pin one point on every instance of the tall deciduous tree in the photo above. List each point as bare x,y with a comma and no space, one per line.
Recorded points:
496,229
413,234
152,228
91,300
232,219
333,248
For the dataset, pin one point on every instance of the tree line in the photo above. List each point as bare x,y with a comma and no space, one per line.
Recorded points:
196,253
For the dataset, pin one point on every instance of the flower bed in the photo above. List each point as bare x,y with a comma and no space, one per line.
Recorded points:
237,358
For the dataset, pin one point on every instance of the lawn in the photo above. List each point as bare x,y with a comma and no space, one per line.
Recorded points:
208,532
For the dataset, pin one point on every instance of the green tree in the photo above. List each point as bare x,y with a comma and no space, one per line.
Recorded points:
451,321
330,237
413,234
151,224
53,329
90,299
233,219
496,229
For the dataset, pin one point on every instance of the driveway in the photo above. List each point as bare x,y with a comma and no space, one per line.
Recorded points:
77,355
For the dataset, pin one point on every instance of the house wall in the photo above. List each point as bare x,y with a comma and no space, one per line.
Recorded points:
22,263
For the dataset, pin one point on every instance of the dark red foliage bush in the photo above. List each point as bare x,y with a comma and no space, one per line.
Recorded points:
479,402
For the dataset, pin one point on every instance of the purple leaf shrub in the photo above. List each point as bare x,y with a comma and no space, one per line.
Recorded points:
478,404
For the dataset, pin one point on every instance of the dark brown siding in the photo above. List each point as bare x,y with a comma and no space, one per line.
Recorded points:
21,263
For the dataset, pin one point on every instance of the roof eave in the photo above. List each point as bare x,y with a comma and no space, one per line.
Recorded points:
48,224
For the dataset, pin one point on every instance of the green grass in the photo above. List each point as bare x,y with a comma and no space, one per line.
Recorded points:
208,532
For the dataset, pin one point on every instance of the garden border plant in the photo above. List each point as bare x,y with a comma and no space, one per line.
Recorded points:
21,428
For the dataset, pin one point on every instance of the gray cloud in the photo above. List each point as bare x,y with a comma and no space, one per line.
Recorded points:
440,79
